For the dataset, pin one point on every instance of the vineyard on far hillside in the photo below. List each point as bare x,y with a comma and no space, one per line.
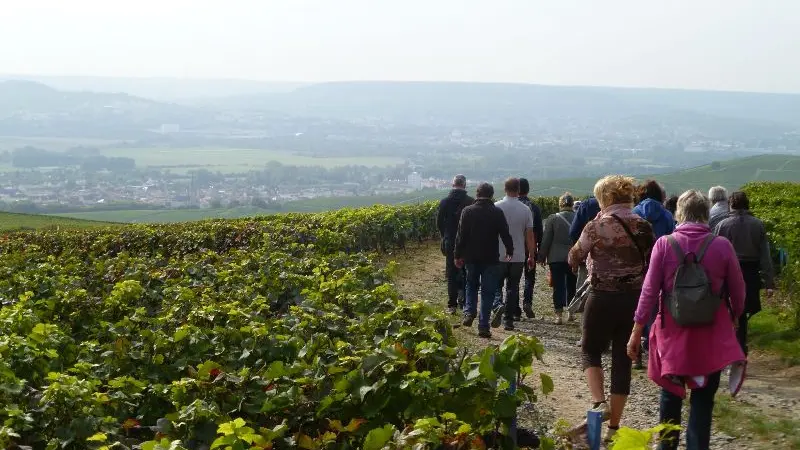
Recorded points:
269,333
778,205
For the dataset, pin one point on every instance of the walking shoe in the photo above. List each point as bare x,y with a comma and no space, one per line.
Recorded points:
610,432
559,318
484,333
468,319
509,326
451,310
602,407
497,315
570,316
528,311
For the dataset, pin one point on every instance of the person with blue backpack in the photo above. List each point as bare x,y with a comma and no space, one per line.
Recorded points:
652,209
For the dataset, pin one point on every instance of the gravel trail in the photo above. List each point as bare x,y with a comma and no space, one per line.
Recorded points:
420,277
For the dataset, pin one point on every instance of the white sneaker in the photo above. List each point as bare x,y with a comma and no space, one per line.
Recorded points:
570,316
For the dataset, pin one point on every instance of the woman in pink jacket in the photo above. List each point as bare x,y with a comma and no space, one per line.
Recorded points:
690,357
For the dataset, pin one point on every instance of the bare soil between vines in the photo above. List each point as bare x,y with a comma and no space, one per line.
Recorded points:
771,392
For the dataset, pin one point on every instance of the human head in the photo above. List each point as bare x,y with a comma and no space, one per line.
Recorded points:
652,190
692,206
524,186
717,194
460,182
485,190
672,204
566,201
739,200
614,190
512,187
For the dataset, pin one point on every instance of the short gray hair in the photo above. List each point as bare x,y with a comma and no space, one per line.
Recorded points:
460,181
693,206
717,194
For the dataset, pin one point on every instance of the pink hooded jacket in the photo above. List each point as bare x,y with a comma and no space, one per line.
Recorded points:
680,353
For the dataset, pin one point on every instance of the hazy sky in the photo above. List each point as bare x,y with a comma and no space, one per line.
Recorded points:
717,44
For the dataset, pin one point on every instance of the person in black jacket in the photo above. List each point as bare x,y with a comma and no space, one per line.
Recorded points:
447,221
749,239
478,248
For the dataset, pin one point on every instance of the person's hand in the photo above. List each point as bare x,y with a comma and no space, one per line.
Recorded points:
459,262
509,257
531,262
634,343
770,292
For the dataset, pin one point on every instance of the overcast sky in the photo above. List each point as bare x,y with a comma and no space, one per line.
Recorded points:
715,44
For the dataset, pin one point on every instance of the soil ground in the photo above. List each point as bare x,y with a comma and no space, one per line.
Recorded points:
763,416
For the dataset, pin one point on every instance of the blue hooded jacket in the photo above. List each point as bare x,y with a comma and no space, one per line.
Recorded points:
659,217
587,211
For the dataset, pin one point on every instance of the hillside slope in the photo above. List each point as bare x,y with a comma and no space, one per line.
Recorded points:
732,174
13,221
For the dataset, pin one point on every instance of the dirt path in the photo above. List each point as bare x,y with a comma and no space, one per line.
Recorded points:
770,392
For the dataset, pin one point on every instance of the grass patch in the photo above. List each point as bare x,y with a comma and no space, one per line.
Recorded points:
773,330
743,421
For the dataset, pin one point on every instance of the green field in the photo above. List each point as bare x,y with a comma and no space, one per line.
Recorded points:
13,221
235,160
51,143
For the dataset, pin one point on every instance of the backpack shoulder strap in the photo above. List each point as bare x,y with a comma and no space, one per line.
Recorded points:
703,247
676,248
561,216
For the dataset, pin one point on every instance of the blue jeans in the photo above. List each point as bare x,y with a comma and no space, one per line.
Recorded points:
698,433
564,284
486,278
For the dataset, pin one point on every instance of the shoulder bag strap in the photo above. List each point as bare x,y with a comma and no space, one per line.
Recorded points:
633,238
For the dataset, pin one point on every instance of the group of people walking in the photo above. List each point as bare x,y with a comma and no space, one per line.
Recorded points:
679,276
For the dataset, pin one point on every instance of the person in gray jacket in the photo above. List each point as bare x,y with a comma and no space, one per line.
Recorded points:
749,239
719,209
556,244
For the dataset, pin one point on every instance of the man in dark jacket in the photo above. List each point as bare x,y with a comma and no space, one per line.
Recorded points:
478,248
447,220
749,239
538,232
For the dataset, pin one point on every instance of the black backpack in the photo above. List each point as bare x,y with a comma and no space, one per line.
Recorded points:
692,302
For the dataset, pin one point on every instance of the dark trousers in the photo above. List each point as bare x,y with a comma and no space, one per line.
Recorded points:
530,281
608,319
456,278
698,433
751,272
564,284
511,273
741,332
